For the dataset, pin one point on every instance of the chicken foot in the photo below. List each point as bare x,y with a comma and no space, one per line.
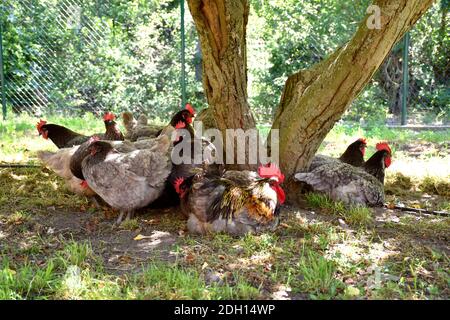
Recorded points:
96,200
130,214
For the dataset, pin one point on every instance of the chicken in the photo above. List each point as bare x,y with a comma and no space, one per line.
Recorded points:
59,162
188,170
131,180
129,122
66,162
112,130
63,137
236,202
353,155
140,128
379,161
186,116
349,184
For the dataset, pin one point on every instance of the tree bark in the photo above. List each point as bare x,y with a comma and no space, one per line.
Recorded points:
314,99
221,26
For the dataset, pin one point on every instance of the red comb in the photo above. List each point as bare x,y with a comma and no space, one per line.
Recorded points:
93,139
363,140
180,125
190,108
109,116
270,170
40,124
177,183
383,146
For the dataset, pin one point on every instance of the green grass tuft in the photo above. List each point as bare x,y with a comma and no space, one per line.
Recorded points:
131,224
357,215
318,275
354,215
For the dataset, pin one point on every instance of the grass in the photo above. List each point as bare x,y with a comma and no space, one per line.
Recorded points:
318,275
131,224
55,245
17,217
72,274
354,215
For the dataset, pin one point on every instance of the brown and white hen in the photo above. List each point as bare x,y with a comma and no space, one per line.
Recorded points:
236,202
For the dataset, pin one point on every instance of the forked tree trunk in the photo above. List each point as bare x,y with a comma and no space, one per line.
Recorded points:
313,100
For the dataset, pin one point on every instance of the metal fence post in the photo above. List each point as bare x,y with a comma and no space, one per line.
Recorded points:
2,76
183,62
405,86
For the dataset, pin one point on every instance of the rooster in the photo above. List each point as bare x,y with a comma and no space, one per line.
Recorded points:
131,180
353,155
379,161
63,137
234,202
351,185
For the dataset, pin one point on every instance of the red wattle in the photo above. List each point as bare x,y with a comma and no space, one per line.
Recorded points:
280,194
387,162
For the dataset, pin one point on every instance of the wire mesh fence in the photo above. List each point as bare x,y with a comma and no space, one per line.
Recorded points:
74,56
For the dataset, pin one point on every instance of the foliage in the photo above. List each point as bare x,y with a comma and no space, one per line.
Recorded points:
292,35
73,56
96,55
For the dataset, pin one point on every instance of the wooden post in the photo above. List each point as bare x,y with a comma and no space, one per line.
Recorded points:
183,62
2,76
405,86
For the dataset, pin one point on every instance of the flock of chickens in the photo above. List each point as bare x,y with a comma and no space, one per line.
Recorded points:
135,170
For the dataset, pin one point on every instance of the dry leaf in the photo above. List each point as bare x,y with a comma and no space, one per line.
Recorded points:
140,237
151,221
391,206
189,258
125,259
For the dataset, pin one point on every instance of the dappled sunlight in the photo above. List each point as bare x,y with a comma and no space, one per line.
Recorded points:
421,168
155,240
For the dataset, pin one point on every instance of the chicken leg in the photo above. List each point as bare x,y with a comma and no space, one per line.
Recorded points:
130,214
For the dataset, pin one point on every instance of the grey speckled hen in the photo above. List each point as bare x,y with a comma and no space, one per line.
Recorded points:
128,181
343,182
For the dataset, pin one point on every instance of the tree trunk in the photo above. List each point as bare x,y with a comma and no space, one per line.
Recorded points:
314,99
221,26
